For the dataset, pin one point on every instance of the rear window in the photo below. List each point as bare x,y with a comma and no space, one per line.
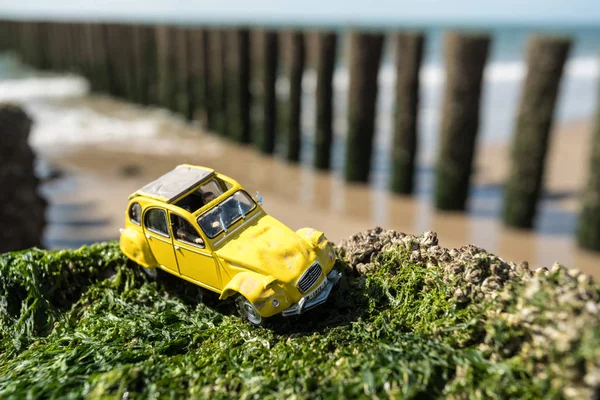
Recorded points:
135,213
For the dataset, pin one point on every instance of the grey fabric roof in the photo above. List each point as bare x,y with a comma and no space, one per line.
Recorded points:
176,182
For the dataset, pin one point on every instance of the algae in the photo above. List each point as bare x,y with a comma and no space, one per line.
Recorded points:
88,323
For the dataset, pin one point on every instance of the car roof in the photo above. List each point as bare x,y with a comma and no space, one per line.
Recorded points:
174,183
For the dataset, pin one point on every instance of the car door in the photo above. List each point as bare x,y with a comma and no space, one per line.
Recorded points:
156,229
194,259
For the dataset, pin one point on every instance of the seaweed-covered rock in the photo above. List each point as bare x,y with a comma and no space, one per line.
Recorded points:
403,325
473,271
22,212
556,316
547,322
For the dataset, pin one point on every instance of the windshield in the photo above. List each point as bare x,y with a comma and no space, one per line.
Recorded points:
226,214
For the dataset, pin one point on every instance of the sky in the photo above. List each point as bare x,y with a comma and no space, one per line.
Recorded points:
344,12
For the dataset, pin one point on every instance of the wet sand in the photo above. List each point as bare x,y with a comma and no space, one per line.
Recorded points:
88,203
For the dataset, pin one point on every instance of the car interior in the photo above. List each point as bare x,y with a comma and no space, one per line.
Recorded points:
202,196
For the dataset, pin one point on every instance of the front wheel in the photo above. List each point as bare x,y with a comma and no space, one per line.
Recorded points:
151,273
248,312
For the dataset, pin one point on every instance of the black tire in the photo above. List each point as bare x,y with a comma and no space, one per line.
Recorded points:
248,312
151,273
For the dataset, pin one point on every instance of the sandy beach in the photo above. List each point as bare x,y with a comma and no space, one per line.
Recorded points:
98,173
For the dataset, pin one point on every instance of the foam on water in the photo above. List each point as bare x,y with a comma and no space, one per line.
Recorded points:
42,87
81,124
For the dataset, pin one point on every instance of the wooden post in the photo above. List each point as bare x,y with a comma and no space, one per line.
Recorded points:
238,89
296,58
116,60
546,58
5,44
365,56
70,48
198,70
129,62
145,63
326,50
166,53
268,60
409,52
217,44
100,58
55,46
588,230
180,68
465,59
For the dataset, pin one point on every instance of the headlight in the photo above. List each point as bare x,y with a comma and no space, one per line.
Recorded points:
331,255
321,239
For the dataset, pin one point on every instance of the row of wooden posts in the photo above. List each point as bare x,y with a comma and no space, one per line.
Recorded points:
226,79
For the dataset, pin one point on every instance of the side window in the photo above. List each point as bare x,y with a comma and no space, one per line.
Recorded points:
155,220
135,213
185,232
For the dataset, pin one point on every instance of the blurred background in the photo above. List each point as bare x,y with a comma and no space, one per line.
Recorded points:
344,115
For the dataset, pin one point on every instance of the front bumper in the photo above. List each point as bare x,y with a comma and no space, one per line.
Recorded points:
309,301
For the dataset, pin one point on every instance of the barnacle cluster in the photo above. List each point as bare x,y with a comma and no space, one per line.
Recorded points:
548,319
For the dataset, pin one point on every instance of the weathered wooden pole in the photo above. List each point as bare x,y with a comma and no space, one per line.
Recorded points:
166,68
62,62
296,58
409,53
130,63
180,67
238,81
217,46
45,45
25,33
198,71
5,44
100,58
145,63
465,55
545,59
68,48
365,56
115,59
326,52
265,129
87,57
588,229
55,46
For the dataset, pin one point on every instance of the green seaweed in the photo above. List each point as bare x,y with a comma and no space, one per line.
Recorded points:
87,323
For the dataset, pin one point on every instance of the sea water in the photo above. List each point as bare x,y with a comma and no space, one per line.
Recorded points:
503,80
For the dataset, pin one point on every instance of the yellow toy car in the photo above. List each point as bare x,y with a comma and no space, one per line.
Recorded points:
203,227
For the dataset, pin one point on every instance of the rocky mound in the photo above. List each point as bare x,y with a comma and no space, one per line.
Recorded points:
410,319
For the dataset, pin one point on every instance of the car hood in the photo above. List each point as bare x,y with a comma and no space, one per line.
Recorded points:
270,248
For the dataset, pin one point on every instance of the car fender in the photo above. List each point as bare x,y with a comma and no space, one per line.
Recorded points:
249,284
310,236
133,243
260,291
318,241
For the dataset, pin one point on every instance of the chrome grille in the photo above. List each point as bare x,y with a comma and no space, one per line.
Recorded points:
309,278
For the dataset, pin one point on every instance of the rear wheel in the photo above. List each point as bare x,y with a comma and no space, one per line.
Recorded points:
248,312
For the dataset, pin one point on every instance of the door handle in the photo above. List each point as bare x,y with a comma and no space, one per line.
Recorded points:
176,247
147,235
